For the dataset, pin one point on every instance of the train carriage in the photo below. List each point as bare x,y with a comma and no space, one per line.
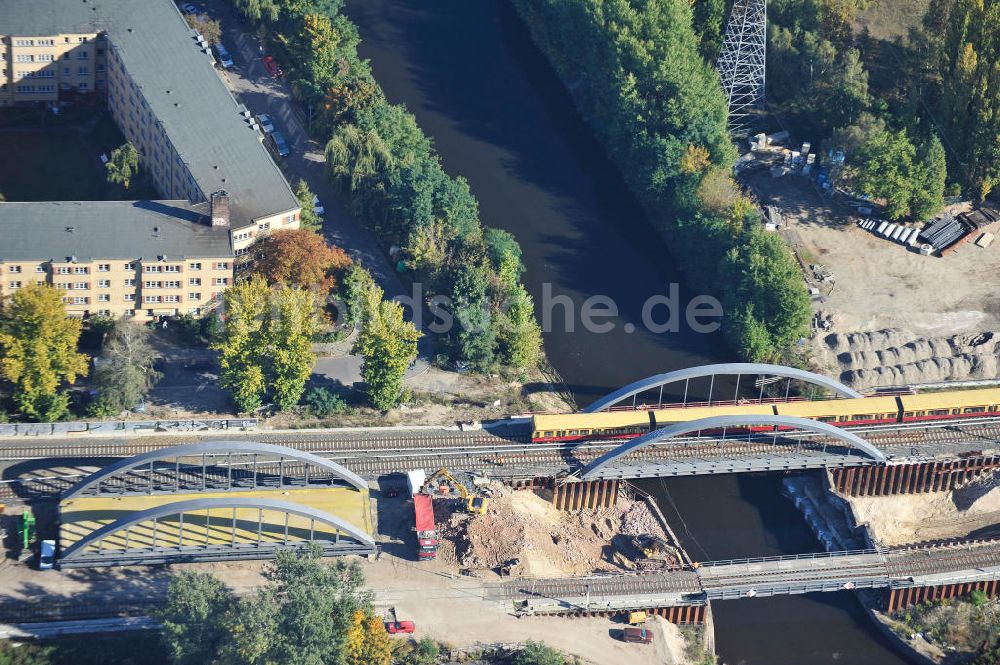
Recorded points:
951,404
840,412
579,426
664,417
843,412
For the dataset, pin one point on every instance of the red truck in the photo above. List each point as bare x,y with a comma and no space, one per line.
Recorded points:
427,540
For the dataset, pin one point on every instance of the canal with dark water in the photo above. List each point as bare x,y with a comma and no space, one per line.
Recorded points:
501,118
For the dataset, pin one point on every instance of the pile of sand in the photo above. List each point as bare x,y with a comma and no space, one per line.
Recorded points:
548,543
970,510
893,358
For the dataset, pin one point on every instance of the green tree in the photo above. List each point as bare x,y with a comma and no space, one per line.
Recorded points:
426,652
354,155
323,53
259,10
708,24
192,627
356,286
538,653
474,334
387,345
928,192
241,360
126,371
319,602
123,164
886,170
308,219
519,335
764,273
266,346
38,350
293,323
970,94
301,615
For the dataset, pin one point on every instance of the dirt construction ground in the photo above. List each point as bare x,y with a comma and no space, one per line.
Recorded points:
523,526
448,608
971,510
896,316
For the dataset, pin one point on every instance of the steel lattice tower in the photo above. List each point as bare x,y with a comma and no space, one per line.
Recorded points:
741,62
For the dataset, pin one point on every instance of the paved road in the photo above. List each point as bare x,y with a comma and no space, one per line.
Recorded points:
253,87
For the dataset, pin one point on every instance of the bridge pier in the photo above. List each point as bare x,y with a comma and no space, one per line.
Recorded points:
900,599
585,495
885,480
681,615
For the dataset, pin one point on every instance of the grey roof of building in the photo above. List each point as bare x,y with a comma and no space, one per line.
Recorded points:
180,85
127,230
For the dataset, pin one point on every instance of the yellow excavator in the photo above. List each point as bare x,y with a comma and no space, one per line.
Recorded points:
442,482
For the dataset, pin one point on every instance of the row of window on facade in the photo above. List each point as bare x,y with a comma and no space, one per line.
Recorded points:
51,73
129,284
48,42
104,297
106,267
49,57
194,311
29,89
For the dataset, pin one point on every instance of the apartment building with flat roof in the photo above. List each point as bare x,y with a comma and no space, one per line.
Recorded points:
117,258
194,139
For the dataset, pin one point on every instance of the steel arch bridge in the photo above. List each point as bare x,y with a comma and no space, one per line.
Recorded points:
728,369
223,466
157,535
214,501
714,423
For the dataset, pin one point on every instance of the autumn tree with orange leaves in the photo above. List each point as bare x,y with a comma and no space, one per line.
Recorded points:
299,257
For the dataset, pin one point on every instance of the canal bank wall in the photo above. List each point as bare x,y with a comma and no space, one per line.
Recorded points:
838,526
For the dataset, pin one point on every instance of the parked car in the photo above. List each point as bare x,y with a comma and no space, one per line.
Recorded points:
47,555
225,59
280,144
271,65
318,206
396,627
265,123
640,635
188,8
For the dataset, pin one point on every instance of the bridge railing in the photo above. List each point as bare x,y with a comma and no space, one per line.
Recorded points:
787,557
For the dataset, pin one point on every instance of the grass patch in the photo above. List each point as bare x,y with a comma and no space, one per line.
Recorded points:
48,165
61,163
889,19
965,624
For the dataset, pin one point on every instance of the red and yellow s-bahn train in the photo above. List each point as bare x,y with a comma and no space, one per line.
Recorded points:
840,412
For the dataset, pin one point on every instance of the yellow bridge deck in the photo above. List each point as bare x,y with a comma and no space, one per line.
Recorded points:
81,516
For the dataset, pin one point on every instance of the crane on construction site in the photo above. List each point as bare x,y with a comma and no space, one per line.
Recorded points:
442,482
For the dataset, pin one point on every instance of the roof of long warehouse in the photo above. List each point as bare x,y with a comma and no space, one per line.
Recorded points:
197,111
